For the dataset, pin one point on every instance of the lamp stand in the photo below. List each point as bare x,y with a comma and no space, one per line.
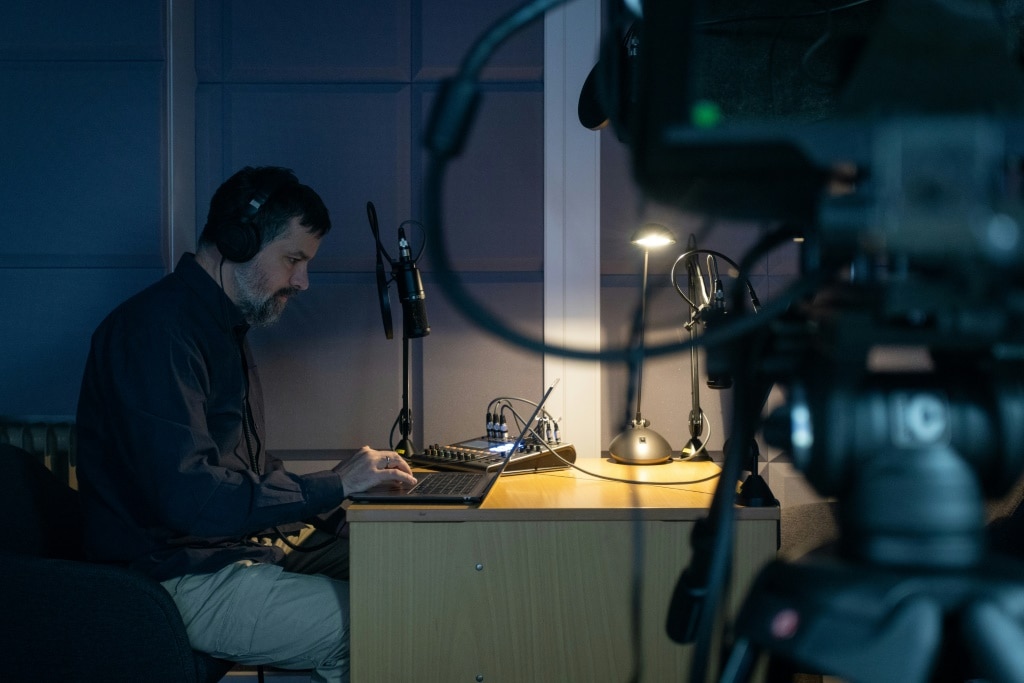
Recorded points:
637,444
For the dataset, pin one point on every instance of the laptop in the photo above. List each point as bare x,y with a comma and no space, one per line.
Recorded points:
452,488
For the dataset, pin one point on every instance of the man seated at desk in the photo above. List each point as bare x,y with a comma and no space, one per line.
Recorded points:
175,480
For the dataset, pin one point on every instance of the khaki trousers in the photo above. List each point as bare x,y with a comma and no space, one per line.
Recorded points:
292,616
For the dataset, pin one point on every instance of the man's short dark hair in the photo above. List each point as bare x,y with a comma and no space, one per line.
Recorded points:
266,197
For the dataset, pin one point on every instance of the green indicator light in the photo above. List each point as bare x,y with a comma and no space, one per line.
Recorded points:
705,114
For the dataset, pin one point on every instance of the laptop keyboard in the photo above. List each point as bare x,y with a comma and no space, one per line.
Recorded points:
448,483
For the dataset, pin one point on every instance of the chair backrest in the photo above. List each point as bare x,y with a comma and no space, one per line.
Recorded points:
42,514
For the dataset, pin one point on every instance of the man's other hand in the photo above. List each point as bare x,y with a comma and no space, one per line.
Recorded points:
370,467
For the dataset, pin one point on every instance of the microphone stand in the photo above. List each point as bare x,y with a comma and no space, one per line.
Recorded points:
405,446
414,319
754,491
694,450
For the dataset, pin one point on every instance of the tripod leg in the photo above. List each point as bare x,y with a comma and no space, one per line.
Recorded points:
740,664
994,639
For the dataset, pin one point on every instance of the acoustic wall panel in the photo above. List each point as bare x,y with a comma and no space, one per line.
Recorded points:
71,29
48,316
268,41
494,190
81,163
447,29
465,366
331,379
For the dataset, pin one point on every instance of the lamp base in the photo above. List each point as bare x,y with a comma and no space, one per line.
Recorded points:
695,451
639,445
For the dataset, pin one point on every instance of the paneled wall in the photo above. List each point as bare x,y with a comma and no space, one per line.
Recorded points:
82,160
107,108
340,93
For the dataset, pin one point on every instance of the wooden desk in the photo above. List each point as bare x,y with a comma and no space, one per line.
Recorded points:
535,584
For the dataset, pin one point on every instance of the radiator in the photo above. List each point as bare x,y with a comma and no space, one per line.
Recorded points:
53,443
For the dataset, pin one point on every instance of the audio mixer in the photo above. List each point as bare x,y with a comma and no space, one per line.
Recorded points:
484,455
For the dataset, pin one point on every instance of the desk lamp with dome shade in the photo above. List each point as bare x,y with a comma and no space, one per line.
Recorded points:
638,444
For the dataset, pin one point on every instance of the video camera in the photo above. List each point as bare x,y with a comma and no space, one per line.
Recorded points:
894,151
902,174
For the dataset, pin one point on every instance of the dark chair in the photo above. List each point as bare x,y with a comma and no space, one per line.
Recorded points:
64,619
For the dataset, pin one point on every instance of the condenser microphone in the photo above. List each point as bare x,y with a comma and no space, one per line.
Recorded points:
410,291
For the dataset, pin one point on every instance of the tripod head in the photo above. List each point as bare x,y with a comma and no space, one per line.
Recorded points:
910,454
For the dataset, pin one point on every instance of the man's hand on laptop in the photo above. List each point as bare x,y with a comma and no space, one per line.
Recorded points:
370,467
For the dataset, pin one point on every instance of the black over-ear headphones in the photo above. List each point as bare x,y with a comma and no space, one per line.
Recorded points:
240,241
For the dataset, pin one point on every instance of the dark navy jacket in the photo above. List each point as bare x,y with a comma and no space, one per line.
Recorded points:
173,479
